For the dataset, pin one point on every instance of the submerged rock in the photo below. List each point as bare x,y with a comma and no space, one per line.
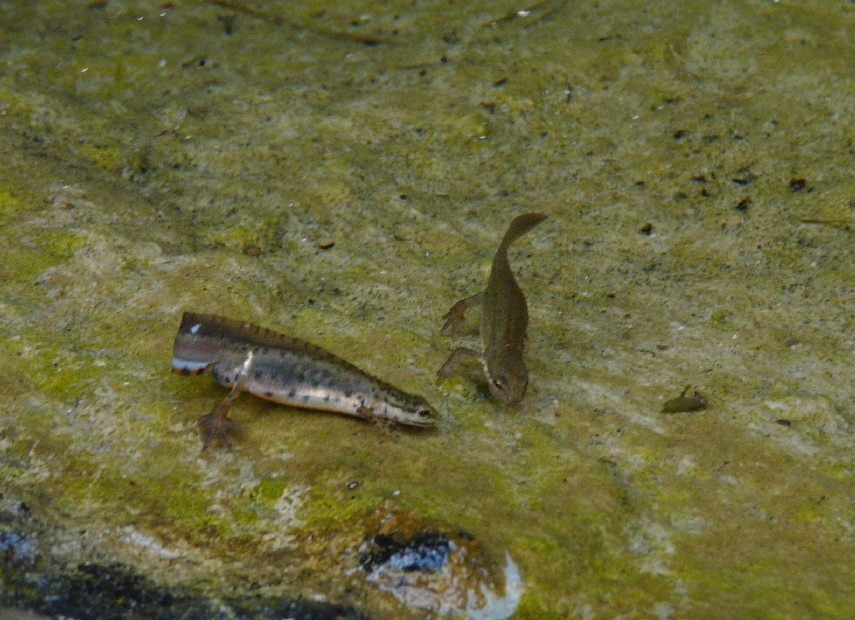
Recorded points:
426,551
35,580
116,591
445,573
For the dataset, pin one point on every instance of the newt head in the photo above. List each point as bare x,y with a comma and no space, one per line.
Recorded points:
422,415
391,404
507,381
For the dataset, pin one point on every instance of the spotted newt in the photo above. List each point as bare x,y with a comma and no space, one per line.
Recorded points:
285,370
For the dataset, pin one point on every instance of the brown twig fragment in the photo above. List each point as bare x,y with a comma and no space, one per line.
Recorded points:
279,20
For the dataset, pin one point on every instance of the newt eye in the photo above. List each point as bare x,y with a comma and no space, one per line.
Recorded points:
499,382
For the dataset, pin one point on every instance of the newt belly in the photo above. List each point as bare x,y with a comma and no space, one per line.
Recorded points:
285,370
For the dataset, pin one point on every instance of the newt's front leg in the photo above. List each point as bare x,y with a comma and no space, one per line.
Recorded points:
216,426
454,318
452,364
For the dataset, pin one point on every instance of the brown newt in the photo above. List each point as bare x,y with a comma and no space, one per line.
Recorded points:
285,370
504,320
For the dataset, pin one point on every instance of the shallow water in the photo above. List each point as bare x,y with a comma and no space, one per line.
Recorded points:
265,163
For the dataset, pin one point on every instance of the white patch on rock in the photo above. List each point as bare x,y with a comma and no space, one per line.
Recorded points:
147,543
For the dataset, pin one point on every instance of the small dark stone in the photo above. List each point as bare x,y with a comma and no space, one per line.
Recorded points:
746,178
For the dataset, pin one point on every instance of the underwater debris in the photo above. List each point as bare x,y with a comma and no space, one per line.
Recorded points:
684,403
279,20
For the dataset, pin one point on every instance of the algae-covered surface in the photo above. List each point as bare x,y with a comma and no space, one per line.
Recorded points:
343,174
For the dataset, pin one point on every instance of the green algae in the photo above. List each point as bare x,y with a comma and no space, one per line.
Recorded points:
12,202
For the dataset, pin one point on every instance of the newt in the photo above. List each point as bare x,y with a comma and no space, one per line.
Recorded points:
285,370
504,321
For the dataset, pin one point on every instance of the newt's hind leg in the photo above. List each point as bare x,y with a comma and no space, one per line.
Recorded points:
452,364
454,318
217,426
